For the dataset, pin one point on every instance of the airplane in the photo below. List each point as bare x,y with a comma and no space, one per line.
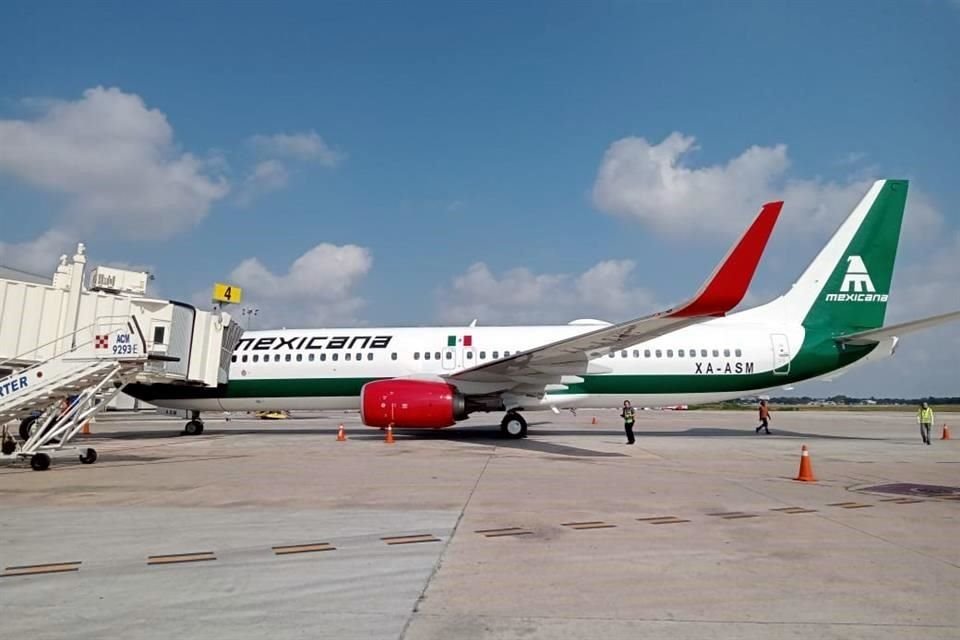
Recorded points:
828,322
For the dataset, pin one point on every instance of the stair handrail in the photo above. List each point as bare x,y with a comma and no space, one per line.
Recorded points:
96,323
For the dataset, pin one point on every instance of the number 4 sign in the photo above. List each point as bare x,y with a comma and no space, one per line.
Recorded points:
227,293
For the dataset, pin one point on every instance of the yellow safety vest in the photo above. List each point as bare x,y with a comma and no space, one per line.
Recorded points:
925,416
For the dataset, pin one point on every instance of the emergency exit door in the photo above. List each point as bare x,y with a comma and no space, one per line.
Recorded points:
781,353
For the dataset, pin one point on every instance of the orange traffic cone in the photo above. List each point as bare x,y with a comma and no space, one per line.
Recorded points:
341,436
389,434
86,429
806,471
946,432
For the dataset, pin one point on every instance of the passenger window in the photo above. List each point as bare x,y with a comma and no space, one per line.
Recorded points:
693,353
659,353
311,357
426,355
370,356
288,358
496,354
611,354
276,358
233,358
449,355
680,353
623,354
646,353
703,353
393,356
636,353
483,355
256,358
469,355
669,353
335,357
323,357
299,357
716,353
726,353
243,359
738,353
346,356
506,354
436,355
416,355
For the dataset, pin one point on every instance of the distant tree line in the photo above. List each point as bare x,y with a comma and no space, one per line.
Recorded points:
842,399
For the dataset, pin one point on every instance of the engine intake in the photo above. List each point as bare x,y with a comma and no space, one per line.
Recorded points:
424,404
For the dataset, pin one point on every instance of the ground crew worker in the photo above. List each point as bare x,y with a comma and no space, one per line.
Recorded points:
628,417
925,419
764,418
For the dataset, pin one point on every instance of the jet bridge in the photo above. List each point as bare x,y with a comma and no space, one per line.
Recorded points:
66,349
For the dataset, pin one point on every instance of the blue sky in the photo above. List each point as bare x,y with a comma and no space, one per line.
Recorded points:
441,161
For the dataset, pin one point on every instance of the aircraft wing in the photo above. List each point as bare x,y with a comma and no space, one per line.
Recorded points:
876,335
722,291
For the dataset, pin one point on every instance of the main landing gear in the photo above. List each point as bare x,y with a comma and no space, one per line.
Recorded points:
513,426
195,426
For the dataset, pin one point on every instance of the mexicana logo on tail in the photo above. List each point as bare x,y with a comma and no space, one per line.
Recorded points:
857,285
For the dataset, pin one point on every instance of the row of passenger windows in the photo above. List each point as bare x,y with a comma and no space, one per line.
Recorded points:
482,355
680,353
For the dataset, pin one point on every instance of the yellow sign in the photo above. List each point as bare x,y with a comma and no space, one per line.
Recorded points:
227,293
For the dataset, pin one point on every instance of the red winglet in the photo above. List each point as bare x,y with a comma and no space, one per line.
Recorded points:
726,287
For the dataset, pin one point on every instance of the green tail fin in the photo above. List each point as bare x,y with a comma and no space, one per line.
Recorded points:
845,289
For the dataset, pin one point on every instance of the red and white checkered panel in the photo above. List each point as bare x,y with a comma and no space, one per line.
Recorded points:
102,342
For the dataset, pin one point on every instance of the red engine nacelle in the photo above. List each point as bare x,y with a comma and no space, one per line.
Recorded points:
411,403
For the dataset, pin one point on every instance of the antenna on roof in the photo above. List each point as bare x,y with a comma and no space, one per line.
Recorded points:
474,323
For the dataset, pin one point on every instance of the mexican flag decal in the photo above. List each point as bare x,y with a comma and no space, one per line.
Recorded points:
465,341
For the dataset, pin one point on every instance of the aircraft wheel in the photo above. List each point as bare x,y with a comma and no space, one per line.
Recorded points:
26,427
193,428
88,457
39,462
8,446
513,426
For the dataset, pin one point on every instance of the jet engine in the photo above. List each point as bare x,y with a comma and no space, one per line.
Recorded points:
425,404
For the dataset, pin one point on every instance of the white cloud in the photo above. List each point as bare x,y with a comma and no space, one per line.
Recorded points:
306,145
114,160
521,296
316,290
654,184
39,256
266,176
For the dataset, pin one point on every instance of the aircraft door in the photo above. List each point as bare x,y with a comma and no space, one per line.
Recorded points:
449,357
781,353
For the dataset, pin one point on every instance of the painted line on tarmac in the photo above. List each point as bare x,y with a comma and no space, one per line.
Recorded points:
177,558
303,548
794,510
663,520
426,537
41,569
594,524
503,533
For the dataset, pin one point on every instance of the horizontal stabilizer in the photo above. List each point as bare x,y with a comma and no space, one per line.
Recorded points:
876,335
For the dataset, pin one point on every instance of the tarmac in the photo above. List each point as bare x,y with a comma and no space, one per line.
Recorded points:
274,528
